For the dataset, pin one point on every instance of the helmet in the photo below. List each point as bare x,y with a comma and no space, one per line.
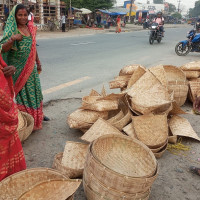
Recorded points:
159,13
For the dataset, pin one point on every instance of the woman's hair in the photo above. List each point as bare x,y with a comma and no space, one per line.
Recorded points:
19,7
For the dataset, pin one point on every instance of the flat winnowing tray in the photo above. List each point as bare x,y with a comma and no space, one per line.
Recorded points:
181,127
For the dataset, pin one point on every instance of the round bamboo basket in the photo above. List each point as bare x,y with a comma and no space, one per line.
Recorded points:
121,182
108,193
52,190
130,69
93,195
123,155
158,149
22,124
17,184
161,152
30,125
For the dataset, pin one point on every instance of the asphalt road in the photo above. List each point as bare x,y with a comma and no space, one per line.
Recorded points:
72,66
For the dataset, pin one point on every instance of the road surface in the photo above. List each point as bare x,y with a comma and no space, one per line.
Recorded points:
73,65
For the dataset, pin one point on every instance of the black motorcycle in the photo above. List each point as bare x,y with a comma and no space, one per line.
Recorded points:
155,33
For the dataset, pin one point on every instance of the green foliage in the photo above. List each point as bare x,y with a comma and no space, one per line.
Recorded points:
195,12
172,8
177,15
158,1
91,4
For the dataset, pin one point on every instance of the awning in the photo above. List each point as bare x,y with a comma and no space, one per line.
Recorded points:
85,11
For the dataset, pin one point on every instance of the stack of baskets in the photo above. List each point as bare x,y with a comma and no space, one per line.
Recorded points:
38,183
118,167
152,130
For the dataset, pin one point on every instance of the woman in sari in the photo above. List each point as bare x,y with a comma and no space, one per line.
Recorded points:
118,28
11,153
19,49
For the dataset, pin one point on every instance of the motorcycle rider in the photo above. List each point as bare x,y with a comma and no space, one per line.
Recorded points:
161,21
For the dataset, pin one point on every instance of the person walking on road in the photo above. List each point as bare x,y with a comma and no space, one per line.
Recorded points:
63,22
11,153
18,48
118,28
31,15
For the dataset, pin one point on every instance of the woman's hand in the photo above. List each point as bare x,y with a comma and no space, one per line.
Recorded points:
17,37
9,71
39,66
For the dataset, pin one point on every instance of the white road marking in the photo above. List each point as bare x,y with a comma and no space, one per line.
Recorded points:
82,43
64,85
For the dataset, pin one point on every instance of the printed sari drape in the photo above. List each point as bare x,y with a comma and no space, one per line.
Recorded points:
11,153
27,85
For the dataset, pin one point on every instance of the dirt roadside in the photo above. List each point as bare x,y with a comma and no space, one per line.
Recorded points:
174,182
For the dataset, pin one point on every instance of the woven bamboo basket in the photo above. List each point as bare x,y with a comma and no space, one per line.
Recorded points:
151,129
120,82
180,89
130,69
115,116
194,88
117,181
22,124
191,66
81,119
161,152
148,94
52,190
14,186
30,125
97,104
157,150
192,74
69,172
93,195
100,128
129,130
123,155
180,126
173,139
139,72
92,182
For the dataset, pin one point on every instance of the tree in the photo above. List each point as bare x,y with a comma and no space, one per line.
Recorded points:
158,1
91,4
195,12
172,8
177,15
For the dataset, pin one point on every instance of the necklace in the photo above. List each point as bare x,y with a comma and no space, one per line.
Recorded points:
24,31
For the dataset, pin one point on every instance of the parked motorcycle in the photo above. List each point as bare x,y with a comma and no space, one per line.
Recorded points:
190,45
155,33
146,25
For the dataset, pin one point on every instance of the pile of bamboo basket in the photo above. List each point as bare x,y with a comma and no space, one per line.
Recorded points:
117,168
129,130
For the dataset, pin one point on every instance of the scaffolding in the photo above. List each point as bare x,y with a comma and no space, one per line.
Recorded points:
45,9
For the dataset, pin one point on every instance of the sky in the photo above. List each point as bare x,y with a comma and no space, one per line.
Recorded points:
186,3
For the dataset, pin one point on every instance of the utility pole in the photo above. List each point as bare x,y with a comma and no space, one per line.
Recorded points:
131,7
179,4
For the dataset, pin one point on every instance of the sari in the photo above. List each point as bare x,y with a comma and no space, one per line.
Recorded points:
26,80
118,28
11,153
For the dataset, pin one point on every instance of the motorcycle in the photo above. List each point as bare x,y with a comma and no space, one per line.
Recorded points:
155,33
191,45
146,25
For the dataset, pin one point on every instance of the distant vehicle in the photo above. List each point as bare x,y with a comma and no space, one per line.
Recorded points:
155,33
191,45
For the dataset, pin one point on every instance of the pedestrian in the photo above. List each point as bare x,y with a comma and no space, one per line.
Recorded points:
63,22
11,153
118,27
98,20
109,21
19,49
31,15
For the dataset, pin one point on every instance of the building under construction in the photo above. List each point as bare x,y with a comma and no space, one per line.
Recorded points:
44,9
